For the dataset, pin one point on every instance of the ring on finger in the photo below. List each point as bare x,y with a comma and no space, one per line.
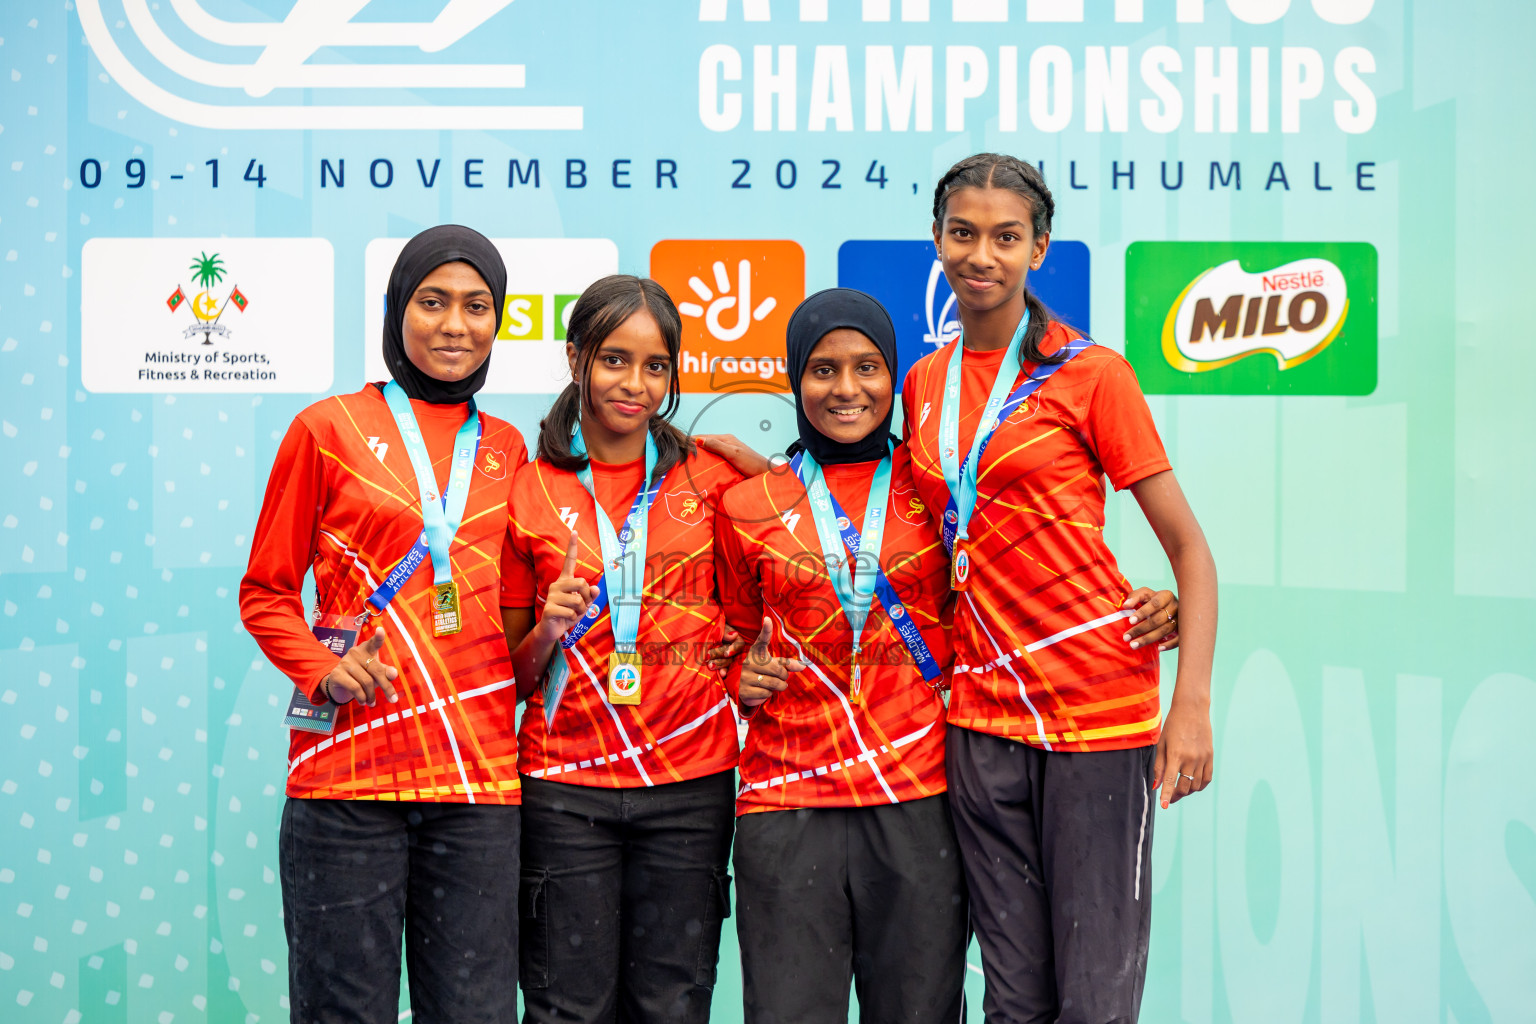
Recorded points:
1181,775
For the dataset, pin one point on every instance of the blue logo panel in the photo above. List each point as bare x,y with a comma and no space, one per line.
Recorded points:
909,282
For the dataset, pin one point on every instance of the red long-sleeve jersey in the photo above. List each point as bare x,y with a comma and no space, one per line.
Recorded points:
342,501
815,744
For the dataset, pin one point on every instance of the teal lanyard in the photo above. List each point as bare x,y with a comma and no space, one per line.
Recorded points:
623,589
440,515
854,592
960,477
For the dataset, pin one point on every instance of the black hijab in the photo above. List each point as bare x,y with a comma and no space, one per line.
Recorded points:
447,243
812,320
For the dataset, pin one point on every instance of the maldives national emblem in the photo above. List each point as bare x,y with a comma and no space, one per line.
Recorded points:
207,274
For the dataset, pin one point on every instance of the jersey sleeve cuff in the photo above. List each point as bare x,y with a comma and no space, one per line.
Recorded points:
1140,473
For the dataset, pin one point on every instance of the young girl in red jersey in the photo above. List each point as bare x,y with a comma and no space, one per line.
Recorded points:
1056,742
846,863
844,849
628,744
402,815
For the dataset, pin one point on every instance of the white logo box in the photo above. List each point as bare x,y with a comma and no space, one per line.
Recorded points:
132,342
537,268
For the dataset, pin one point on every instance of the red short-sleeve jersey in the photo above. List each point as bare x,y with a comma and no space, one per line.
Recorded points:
813,744
342,500
1039,648
684,726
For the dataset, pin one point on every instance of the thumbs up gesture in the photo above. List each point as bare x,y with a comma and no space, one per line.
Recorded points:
569,597
763,674
361,673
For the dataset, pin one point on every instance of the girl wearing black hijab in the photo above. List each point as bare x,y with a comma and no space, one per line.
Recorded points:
402,816
845,858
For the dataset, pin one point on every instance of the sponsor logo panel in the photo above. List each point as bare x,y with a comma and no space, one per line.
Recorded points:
200,315
1252,318
735,298
910,283
545,277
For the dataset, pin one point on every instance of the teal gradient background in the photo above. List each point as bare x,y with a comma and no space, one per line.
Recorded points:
1368,849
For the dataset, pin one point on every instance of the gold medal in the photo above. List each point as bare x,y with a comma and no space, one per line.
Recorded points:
960,568
445,609
624,677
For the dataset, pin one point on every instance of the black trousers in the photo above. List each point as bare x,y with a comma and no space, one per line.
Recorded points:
1058,856
872,895
356,873
623,895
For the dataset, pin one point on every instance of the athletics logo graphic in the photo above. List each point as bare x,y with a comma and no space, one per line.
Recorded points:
285,64
624,681
207,272
1252,317
910,283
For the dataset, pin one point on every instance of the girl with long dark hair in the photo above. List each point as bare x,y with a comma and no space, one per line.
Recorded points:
1057,746
628,744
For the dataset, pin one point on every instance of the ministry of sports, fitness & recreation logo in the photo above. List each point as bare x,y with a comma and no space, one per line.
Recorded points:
285,65
201,315
910,283
1252,318
207,310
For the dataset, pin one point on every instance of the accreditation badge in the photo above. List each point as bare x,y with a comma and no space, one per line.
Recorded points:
960,568
445,609
624,677
338,634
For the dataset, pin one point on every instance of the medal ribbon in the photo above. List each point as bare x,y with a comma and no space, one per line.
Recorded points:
615,548
960,477
440,518
840,538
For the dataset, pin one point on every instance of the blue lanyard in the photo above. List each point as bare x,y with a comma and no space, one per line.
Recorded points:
838,536
627,587
440,517
960,477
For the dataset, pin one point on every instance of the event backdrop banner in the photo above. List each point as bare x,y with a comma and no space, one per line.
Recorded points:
1303,221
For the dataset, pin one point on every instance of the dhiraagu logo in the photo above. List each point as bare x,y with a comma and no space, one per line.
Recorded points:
1252,318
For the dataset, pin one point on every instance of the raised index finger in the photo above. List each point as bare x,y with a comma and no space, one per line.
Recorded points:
760,645
572,552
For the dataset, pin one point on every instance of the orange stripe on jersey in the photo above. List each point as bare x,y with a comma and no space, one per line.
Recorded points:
813,745
342,501
683,727
1040,566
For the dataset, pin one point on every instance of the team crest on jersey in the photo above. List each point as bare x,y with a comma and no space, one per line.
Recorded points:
686,505
1026,409
492,462
908,505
